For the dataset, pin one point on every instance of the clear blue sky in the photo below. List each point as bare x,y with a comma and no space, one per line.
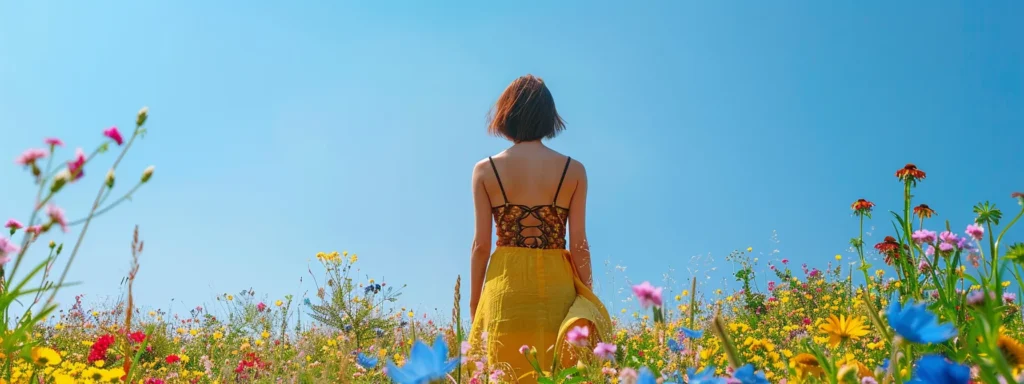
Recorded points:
282,130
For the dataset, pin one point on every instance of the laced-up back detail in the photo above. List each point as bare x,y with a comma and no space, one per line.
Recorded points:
539,226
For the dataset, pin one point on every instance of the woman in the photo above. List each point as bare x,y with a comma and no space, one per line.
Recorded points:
532,290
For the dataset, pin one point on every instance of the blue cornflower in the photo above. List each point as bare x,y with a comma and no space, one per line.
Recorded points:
646,377
707,376
885,364
674,346
348,327
366,361
306,301
379,332
746,375
914,323
936,369
692,333
424,364
368,289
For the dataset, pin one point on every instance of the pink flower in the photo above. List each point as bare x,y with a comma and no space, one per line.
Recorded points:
75,167
578,336
976,231
13,224
608,371
53,142
647,294
114,134
922,236
785,261
30,156
524,349
34,229
496,375
261,307
605,351
946,247
7,247
57,216
627,375
949,237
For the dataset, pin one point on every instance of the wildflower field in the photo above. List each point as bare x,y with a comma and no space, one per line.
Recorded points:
943,309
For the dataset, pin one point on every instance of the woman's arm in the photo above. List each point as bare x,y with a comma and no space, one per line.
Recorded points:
578,246
481,249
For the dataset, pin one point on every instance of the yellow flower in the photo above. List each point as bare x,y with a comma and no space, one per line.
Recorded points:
842,328
352,259
100,363
410,312
279,303
839,257
265,334
113,374
45,356
1006,283
750,249
217,335
1012,351
193,332
231,297
60,379
93,373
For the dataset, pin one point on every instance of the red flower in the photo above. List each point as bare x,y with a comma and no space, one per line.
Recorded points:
75,166
171,359
861,207
98,351
261,307
923,211
137,337
890,248
910,173
154,381
114,134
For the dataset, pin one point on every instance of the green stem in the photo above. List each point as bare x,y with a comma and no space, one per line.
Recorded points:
85,228
126,197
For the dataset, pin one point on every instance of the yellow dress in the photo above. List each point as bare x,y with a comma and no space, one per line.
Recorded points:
532,294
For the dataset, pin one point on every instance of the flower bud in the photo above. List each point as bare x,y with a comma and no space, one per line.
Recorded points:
141,117
110,179
59,180
147,173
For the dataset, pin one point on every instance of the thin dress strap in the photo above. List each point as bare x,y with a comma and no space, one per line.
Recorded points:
566,169
503,196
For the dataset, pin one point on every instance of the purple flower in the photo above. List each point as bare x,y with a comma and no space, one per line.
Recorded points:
965,244
976,231
1009,298
949,237
945,247
922,236
978,297
930,251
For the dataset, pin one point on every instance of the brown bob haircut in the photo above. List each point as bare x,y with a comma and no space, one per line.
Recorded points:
526,112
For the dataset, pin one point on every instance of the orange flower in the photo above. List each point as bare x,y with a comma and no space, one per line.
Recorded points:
910,173
923,211
861,207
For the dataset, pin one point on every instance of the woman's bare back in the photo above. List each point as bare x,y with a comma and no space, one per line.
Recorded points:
530,175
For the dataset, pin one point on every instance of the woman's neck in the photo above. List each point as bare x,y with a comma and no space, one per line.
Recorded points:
536,144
